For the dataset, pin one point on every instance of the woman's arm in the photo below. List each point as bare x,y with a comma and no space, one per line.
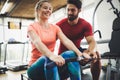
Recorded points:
39,45
44,50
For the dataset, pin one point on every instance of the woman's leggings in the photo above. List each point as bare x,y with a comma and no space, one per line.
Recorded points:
38,71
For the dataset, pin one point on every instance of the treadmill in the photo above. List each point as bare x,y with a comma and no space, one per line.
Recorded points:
16,65
3,68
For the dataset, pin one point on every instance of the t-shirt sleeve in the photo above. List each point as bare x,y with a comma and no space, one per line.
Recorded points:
58,29
30,28
88,30
58,23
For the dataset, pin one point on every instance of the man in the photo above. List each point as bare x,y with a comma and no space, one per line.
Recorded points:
76,29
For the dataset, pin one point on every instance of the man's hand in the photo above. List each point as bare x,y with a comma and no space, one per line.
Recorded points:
91,53
86,59
94,55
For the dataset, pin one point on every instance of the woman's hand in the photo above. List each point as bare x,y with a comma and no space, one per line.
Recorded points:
86,55
59,60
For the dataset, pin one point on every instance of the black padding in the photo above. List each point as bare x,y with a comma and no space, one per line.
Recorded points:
114,43
116,24
108,55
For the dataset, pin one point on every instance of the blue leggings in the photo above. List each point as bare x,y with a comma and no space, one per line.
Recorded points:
38,71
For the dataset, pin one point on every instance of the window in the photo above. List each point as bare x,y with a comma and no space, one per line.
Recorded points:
14,25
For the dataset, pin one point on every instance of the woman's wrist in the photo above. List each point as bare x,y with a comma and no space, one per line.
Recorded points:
81,57
80,54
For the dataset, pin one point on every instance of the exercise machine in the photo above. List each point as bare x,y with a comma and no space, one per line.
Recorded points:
16,65
113,72
114,52
3,68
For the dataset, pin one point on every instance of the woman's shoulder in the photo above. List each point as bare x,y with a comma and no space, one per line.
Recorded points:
34,23
53,25
33,26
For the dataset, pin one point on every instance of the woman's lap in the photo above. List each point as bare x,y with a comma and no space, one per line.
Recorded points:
38,71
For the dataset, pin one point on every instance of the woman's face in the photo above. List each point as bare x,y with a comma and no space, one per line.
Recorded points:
45,10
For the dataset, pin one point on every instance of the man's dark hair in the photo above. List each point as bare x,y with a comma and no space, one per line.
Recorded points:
77,3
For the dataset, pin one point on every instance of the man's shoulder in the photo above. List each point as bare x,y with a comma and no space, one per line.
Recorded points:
83,21
62,21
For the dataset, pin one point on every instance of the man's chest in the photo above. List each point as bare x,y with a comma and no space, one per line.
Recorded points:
73,32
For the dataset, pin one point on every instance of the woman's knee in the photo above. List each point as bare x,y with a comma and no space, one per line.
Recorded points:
37,67
68,54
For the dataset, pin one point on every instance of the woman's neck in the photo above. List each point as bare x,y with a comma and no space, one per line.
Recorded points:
44,23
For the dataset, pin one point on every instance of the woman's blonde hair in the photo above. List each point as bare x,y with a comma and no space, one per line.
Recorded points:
37,7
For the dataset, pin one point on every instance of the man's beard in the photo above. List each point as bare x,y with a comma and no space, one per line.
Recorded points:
72,17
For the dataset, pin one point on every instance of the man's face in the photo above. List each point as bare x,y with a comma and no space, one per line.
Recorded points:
72,12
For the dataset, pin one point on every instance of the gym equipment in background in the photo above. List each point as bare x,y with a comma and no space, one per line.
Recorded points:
3,68
16,65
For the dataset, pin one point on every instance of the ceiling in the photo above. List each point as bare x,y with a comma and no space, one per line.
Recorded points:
25,8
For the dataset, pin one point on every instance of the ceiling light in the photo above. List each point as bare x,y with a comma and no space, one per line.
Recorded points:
6,7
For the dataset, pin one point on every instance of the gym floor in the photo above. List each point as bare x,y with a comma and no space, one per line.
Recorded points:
16,75
11,75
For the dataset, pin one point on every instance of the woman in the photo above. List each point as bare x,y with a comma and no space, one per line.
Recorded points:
43,36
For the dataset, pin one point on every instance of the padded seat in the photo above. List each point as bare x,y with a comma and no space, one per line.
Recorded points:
110,55
114,44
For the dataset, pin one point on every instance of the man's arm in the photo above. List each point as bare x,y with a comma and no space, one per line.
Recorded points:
91,46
